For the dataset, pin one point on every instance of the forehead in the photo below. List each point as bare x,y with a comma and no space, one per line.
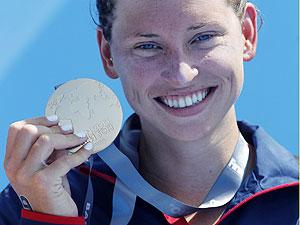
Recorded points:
146,14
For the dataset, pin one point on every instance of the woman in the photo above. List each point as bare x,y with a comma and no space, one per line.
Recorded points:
181,67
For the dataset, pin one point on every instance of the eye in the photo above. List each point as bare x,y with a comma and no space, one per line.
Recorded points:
147,46
202,38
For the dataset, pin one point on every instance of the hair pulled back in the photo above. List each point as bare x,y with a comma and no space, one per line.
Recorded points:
106,17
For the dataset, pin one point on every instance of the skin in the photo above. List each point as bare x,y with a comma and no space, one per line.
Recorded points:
29,143
195,145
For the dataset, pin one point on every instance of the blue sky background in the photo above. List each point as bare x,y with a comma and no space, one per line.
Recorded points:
44,43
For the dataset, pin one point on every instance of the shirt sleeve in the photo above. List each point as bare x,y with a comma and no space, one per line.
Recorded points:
34,218
12,213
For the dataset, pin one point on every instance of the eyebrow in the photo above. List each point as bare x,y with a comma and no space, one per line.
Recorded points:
146,35
200,25
195,27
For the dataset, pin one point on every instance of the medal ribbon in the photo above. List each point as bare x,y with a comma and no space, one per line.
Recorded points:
130,183
222,191
89,198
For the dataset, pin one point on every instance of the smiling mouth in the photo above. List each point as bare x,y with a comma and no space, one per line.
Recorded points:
185,101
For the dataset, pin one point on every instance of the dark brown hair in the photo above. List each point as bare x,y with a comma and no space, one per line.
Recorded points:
106,13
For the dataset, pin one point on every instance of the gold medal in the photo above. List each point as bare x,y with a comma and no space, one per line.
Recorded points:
92,107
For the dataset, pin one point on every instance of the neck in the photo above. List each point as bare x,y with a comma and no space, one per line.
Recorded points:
187,170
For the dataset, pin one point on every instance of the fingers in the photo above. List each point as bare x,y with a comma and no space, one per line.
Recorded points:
47,121
23,134
16,127
27,135
64,164
32,141
45,145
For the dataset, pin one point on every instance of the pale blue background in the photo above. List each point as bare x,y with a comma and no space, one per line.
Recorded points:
44,43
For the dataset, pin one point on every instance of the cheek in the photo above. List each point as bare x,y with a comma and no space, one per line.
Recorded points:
136,73
131,90
136,82
225,64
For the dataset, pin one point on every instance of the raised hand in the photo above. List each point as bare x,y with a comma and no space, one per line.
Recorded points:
36,163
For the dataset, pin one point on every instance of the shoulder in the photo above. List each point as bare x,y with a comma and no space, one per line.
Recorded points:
270,193
274,163
278,205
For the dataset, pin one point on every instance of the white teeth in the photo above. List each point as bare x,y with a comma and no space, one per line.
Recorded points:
165,100
181,102
199,95
170,102
185,101
175,103
188,100
195,99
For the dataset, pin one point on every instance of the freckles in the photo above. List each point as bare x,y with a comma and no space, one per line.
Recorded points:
135,96
220,64
132,96
134,90
225,65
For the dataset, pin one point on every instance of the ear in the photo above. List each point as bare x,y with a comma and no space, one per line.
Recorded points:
105,53
249,29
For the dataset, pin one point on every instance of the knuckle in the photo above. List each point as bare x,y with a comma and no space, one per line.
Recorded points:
44,139
29,130
14,127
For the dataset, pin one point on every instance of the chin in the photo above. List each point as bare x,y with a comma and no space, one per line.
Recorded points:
188,131
198,127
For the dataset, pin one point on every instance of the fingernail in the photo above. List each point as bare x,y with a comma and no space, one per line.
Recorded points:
52,118
81,134
88,146
67,127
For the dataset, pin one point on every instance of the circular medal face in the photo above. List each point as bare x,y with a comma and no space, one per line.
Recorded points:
92,107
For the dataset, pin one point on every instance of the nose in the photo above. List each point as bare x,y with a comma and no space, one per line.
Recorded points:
180,75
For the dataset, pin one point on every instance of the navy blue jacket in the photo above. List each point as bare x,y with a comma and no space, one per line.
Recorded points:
267,196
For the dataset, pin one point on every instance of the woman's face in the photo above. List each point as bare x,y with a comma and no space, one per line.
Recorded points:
180,62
